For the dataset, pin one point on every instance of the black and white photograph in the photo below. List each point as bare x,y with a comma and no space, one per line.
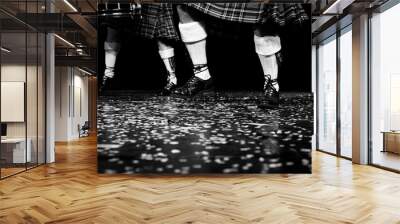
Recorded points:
204,88
200,111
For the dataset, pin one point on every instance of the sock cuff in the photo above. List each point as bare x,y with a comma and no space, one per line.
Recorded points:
204,74
267,45
192,32
167,53
113,46
200,67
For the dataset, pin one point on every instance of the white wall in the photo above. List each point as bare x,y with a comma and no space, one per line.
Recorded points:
81,99
62,81
71,102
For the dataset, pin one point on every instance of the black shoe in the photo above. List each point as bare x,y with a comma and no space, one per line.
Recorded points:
105,80
194,86
270,90
103,84
167,90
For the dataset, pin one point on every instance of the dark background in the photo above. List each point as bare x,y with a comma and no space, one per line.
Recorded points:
232,60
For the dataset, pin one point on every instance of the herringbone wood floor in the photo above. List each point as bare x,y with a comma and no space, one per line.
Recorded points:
70,191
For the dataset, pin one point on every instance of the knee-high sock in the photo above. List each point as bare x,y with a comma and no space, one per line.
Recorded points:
194,36
269,65
168,57
111,51
266,48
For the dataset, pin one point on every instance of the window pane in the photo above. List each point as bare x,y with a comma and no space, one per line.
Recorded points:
22,87
327,96
346,94
31,100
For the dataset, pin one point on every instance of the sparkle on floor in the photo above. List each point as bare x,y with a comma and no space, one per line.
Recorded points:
210,133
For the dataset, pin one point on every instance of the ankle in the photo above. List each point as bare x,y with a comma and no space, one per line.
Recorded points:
269,80
276,85
172,78
109,72
270,77
201,71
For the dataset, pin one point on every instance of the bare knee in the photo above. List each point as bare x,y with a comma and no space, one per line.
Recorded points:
112,35
184,15
164,45
257,32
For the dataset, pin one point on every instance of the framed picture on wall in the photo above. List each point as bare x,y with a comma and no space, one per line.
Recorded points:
12,101
204,88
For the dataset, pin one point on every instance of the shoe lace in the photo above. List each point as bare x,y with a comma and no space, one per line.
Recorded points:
192,81
109,73
271,82
169,85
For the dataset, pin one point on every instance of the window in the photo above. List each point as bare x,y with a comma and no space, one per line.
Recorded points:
327,95
334,106
385,89
22,77
346,75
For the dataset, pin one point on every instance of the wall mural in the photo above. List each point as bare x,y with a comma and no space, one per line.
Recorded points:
198,88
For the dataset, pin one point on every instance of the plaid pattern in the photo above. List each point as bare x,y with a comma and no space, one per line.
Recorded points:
280,14
157,22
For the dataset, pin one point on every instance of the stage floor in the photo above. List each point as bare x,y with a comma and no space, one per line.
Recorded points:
211,133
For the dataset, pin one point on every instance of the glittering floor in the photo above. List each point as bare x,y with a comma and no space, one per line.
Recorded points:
211,133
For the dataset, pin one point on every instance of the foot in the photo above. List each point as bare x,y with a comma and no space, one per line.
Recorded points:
167,90
194,86
271,90
108,74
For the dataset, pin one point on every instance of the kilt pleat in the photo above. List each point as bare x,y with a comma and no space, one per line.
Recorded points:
157,21
280,14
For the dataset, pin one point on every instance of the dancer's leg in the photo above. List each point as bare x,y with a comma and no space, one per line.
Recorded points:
167,54
267,46
194,36
111,49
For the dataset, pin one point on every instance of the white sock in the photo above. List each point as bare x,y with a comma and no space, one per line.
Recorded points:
168,57
110,63
269,65
266,47
194,36
202,72
192,32
111,51
172,78
197,52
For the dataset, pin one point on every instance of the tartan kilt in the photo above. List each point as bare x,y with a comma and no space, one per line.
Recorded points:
157,22
280,14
